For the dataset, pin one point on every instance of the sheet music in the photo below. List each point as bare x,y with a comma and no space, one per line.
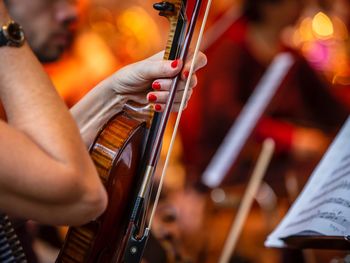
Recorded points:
323,207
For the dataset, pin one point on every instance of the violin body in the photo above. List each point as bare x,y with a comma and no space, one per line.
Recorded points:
116,153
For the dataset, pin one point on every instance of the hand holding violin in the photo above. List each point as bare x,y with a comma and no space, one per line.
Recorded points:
157,73
133,82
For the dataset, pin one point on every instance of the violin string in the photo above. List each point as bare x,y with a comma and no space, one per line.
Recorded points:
178,118
157,144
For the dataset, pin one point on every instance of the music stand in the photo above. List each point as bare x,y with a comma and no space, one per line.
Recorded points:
318,242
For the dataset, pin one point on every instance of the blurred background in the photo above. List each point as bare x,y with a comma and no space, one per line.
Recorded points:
122,32
241,40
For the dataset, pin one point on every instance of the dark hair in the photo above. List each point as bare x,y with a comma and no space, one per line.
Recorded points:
252,8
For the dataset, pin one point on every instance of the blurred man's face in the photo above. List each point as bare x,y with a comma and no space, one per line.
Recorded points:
47,24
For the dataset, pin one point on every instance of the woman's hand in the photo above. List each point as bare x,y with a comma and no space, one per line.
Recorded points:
134,83
157,73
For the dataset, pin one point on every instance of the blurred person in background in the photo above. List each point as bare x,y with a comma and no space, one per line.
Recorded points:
302,117
48,28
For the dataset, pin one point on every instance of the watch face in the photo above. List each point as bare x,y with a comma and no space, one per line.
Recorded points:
14,33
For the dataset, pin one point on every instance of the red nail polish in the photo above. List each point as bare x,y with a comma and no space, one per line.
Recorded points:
157,107
152,97
186,74
156,85
174,63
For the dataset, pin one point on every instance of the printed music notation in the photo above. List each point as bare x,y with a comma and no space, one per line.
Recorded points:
323,207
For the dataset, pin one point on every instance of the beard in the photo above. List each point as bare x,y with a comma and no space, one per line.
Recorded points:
48,57
52,51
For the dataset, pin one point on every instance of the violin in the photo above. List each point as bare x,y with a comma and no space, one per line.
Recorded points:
125,153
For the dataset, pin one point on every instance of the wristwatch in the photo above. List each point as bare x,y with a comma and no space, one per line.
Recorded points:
11,34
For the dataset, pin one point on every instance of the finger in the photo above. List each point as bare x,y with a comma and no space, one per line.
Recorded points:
153,69
161,107
200,62
174,108
193,82
157,56
165,84
161,97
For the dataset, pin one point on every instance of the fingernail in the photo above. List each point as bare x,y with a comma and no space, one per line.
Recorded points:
174,63
152,97
157,107
156,85
186,74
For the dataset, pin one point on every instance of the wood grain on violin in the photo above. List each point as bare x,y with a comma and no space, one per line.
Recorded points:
116,154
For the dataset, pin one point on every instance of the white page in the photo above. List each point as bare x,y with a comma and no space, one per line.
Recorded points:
324,204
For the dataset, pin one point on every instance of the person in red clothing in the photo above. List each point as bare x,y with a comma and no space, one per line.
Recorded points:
301,118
